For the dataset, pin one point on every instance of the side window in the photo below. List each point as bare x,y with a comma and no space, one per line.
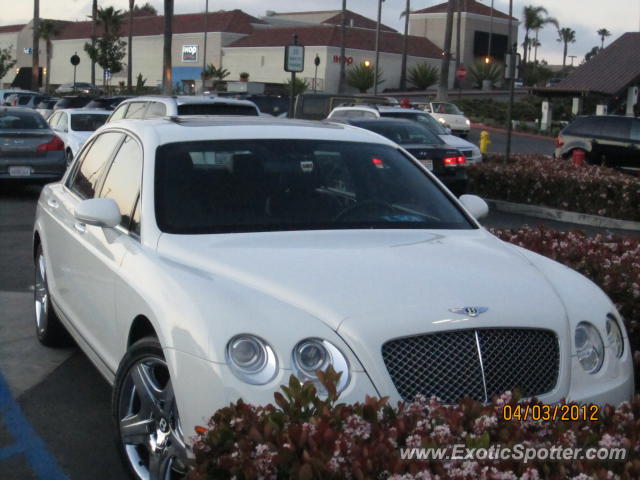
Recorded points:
585,127
136,110
122,182
616,127
156,109
635,130
53,120
95,160
119,112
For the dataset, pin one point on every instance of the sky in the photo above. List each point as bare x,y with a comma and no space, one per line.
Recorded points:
584,16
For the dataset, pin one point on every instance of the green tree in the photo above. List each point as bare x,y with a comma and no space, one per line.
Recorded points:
482,71
47,30
534,17
145,10
423,76
603,33
362,77
109,49
538,25
591,53
566,36
7,61
299,87
217,74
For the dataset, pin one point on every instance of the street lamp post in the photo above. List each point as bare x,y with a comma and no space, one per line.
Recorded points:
512,74
376,68
204,47
316,62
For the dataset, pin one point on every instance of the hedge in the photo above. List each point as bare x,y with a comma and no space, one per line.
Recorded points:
558,184
303,436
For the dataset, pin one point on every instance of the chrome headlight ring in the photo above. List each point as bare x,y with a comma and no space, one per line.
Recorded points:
251,359
589,347
312,354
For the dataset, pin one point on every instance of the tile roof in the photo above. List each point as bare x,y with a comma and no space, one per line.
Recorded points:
233,21
325,35
11,28
334,17
611,71
470,6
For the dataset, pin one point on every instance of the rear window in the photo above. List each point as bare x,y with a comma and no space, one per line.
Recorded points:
87,122
402,133
12,120
216,109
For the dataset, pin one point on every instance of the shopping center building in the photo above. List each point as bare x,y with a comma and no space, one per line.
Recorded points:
239,42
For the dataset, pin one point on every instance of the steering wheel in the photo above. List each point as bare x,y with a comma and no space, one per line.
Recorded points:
362,205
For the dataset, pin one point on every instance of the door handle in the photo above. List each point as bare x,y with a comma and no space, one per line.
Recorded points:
81,227
52,202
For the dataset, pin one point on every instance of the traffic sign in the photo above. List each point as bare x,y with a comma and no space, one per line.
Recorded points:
461,72
294,58
75,60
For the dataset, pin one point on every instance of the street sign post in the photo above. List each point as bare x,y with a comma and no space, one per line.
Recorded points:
75,61
293,62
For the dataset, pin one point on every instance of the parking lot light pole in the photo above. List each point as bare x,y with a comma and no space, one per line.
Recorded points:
375,67
513,54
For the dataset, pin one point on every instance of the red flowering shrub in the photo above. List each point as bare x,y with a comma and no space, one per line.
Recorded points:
558,184
305,437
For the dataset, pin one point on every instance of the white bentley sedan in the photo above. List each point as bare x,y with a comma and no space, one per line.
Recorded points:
200,260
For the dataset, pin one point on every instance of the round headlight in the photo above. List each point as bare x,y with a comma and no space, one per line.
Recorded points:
315,354
251,359
589,347
614,336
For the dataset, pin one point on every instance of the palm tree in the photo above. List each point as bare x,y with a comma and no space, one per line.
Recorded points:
566,36
405,46
443,87
35,53
47,30
537,26
130,47
166,56
94,19
604,33
534,17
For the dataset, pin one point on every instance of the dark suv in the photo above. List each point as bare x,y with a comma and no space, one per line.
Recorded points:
607,140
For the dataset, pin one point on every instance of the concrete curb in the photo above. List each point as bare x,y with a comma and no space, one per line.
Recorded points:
562,215
481,126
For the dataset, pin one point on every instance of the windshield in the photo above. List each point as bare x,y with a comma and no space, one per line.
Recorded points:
446,108
12,120
266,185
87,122
403,133
423,119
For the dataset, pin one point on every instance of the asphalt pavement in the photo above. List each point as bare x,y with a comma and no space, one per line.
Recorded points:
520,143
55,417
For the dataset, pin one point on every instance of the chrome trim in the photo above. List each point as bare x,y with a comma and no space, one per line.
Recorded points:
484,380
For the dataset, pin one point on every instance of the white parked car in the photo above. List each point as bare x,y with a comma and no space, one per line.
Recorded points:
450,116
75,126
197,260
363,112
163,105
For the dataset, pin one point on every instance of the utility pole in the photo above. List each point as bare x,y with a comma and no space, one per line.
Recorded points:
167,65
375,67
343,29
204,48
94,17
405,42
443,87
35,54
512,73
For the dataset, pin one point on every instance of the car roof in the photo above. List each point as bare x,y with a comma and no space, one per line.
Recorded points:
18,110
84,111
383,121
201,127
188,99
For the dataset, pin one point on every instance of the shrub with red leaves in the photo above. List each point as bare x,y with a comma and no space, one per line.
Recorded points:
558,184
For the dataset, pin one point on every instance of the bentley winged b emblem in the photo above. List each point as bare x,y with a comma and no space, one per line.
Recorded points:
471,311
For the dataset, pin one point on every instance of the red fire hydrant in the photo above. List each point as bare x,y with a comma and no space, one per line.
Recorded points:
578,157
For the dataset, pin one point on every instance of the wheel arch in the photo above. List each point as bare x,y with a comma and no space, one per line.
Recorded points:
140,327
36,243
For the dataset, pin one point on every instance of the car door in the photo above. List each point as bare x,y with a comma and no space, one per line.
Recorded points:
122,184
82,256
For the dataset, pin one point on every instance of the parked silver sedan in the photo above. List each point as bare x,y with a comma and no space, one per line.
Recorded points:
29,149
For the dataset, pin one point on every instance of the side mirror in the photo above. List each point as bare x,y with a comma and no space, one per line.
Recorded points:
475,205
100,212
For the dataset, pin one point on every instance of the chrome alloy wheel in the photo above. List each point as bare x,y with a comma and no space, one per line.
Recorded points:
41,295
150,428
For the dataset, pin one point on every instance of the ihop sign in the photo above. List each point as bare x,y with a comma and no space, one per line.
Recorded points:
190,53
339,59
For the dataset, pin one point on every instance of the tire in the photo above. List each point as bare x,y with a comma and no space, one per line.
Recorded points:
68,156
49,329
145,412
